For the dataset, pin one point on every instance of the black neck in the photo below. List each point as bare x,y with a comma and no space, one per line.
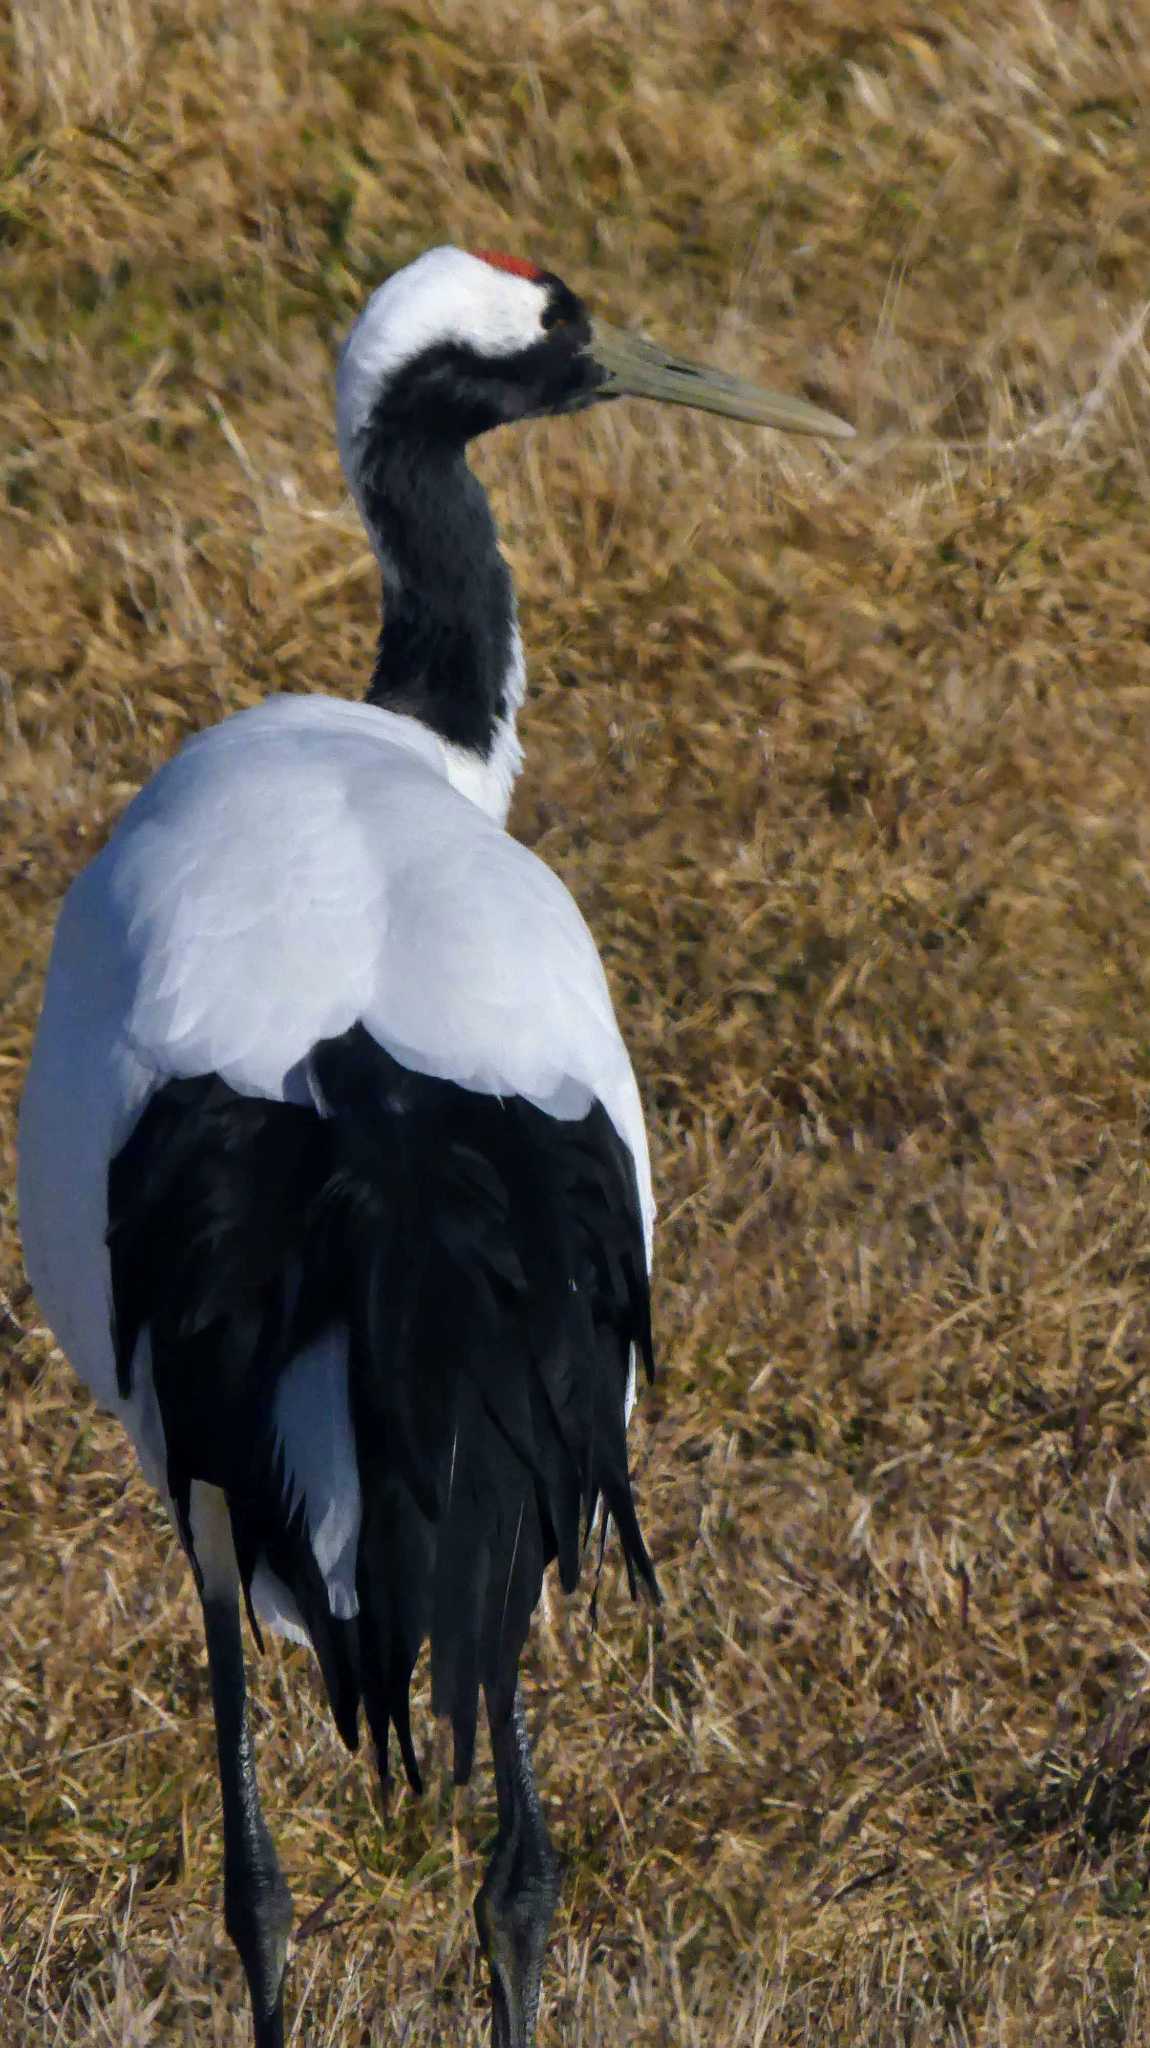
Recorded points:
448,636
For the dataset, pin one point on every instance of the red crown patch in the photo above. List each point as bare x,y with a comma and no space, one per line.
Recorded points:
515,264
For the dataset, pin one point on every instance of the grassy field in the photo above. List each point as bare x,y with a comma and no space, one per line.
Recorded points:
845,755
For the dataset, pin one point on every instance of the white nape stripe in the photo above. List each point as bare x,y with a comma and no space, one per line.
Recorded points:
490,782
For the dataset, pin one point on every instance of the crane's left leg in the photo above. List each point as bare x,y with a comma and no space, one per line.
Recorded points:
257,1902
518,1896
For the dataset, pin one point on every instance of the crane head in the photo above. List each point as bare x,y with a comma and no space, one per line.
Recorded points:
457,343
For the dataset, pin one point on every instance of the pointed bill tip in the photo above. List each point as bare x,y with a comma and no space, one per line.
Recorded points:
638,368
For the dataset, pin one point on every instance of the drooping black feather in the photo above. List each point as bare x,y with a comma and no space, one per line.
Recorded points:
486,1262
209,1202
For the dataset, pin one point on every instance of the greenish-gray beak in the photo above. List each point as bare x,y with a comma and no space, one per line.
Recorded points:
637,368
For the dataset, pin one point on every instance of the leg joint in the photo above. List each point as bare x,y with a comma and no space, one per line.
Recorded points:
258,1917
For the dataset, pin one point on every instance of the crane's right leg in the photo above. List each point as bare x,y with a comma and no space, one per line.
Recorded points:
257,1902
517,1899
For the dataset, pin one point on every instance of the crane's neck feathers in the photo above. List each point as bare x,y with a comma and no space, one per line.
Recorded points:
449,649
425,368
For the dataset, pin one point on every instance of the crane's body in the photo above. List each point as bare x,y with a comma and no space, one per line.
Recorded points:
334,1181
302,867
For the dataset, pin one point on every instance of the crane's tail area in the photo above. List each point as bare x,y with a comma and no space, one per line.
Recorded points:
486,1262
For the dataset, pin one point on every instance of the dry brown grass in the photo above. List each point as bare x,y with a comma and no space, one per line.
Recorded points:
846,758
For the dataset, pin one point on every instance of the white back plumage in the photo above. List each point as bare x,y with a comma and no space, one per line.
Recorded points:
301,867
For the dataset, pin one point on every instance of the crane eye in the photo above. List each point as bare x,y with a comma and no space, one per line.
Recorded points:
553,316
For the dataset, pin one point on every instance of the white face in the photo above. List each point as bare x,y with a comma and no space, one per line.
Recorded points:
445,295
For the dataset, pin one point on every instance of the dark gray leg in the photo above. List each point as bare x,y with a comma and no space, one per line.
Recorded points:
519,1892
257,1902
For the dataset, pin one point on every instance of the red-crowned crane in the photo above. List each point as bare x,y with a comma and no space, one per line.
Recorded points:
334,1184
